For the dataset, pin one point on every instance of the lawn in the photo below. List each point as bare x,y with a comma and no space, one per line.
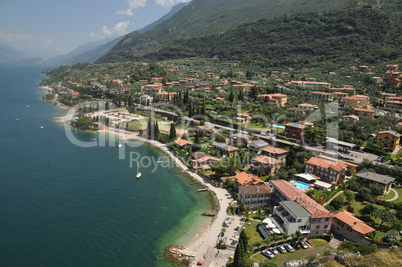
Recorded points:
392,194
136,125
319,247
254,125
252,232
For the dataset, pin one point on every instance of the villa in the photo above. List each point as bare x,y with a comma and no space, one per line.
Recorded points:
254,196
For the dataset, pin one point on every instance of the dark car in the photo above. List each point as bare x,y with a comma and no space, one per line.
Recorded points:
281,249
288,247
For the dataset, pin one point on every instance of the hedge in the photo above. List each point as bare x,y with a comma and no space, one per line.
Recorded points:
325,237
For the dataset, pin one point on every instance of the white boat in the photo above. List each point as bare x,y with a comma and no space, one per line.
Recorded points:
138,173
17,119
120,145
27,106
41,127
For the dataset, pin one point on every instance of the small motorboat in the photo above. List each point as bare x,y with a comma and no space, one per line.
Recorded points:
120,145
93,139
41,127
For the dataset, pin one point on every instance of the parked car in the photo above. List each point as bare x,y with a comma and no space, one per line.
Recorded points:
379,159
281,249
288,247
303,244
268,254
273,250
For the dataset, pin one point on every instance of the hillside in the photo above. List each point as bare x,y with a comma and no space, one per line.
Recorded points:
307,39
206,17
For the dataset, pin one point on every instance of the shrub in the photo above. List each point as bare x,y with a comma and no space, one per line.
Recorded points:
350,209
358,247
325,237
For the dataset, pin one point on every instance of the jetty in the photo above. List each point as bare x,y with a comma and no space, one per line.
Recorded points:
209,213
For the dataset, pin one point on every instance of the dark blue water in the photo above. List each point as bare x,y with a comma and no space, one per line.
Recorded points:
63,205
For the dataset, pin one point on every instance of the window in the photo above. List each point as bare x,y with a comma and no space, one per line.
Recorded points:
299,220
317,227
326,226
326,219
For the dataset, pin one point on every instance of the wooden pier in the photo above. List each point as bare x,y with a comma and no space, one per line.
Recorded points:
209,213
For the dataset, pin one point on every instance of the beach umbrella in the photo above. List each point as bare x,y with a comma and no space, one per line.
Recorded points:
200,262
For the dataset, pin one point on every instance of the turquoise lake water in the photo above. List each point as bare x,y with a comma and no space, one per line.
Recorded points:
63,205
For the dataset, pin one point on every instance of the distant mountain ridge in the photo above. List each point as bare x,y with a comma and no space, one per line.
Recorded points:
11,55
90,52
206,17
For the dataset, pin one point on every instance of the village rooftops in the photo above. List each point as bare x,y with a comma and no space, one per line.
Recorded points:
294,194
355,223
265,160
375,177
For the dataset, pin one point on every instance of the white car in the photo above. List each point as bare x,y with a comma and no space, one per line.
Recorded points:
268,254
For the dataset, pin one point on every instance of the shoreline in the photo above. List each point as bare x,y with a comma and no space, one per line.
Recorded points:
205,240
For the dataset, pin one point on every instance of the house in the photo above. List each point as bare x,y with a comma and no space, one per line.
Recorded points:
205,128
291,216
297,110
239,140
242,117
351,228
204,162
226,149
346,89
182,143
168,96
356,101
117,83
307,106
245,87
393,103
389,139
269,164
326,170
276,153
322,96
295,130
254,196
350,119
75,94
320,217
146,98
311,84
245,179
367,177
363,112
276,99
257,145
350,167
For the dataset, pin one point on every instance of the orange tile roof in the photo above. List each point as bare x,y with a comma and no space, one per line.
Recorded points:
294,194
326,164
182,142
244,178
275,150
355,223
364,110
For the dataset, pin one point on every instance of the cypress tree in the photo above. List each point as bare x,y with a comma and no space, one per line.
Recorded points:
156,130
172,131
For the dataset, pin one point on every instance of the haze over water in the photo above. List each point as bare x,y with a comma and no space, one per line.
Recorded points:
63,205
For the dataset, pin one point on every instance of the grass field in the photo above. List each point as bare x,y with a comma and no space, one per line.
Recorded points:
280,259
252,232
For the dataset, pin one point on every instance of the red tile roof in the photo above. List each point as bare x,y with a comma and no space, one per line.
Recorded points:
294,194
182,142
244,178
263,159
355,223
275,150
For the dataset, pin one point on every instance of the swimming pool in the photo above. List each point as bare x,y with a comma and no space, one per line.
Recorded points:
278,126
302,186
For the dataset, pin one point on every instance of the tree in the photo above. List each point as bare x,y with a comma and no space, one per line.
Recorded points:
349,196
364,194
172,131
337,203
385,216
242,257
353,184
368,210
268,263
84,122
376,189
231,96
391,237
156,130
